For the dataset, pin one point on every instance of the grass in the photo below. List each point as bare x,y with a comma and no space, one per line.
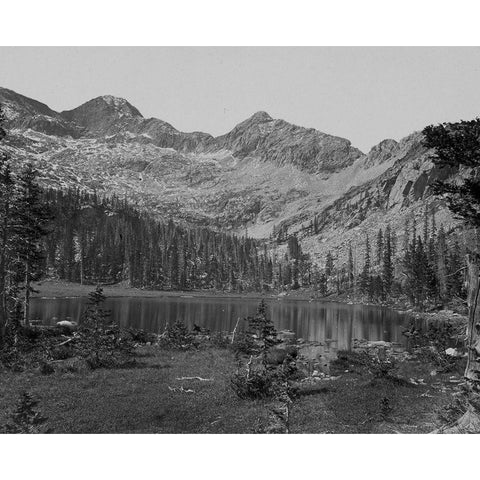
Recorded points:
138,399
60,288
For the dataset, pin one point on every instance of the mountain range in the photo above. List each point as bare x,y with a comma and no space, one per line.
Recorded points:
264,175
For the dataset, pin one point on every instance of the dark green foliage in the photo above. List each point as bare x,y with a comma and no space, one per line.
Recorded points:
178,336
31,220
253,384
108,241
457,145
374,362
350,268
261,378
385,407
23,225
440,335
244,344
101,342
141,336
387,267
431,342
366,286
257,380
219,340
451,412
25,418
329,266
262,330
349,360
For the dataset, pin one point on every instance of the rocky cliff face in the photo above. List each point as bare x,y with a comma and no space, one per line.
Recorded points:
262,174
25,113
282,143
103,114
110,116
403,192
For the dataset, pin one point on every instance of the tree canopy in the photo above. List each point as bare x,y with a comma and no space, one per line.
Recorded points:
457,146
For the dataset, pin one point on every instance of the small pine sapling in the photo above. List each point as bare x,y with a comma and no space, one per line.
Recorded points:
25,418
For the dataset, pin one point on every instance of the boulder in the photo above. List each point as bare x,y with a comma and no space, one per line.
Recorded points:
67,325
452,352
291,350
311,352
278,354
286,336
379,343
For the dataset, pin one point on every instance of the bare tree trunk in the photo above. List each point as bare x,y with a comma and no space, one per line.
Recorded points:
3,276
26,305
3,316
472,372
469,422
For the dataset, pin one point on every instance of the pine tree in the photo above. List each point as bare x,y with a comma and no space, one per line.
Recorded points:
380,241
441,251
322,284
262,328
7,243
32,217
329,265
365,279
350,268
387,268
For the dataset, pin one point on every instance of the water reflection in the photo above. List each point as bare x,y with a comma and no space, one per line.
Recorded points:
333,324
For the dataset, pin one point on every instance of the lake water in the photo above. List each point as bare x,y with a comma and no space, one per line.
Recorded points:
333,324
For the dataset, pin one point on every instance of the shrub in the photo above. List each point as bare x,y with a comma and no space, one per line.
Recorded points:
141,336
252,383
25,418
177,336
219,340
100,342
451,412
350,360
430,343
262,378
261,329
244,343
440,335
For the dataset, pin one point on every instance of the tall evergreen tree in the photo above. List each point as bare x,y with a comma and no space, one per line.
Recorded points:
441,256
379,250
387,267
32,216
366,279
6,224
457,146
329,265
350,268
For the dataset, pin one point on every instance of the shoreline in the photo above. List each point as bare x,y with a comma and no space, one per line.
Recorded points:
52,289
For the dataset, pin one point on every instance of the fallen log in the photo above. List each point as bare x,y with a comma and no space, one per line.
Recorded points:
196,378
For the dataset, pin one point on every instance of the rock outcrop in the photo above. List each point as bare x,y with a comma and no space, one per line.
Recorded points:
282,143
263,174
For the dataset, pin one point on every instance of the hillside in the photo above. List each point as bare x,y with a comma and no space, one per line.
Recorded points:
263,174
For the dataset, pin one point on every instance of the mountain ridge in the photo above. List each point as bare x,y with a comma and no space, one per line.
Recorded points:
263,175
280,142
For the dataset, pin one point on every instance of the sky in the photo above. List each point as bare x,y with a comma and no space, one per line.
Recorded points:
364,94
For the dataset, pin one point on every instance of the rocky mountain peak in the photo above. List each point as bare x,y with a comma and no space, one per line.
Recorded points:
24,113
121,105
260,117
283,143
381,152
102,114
16,105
